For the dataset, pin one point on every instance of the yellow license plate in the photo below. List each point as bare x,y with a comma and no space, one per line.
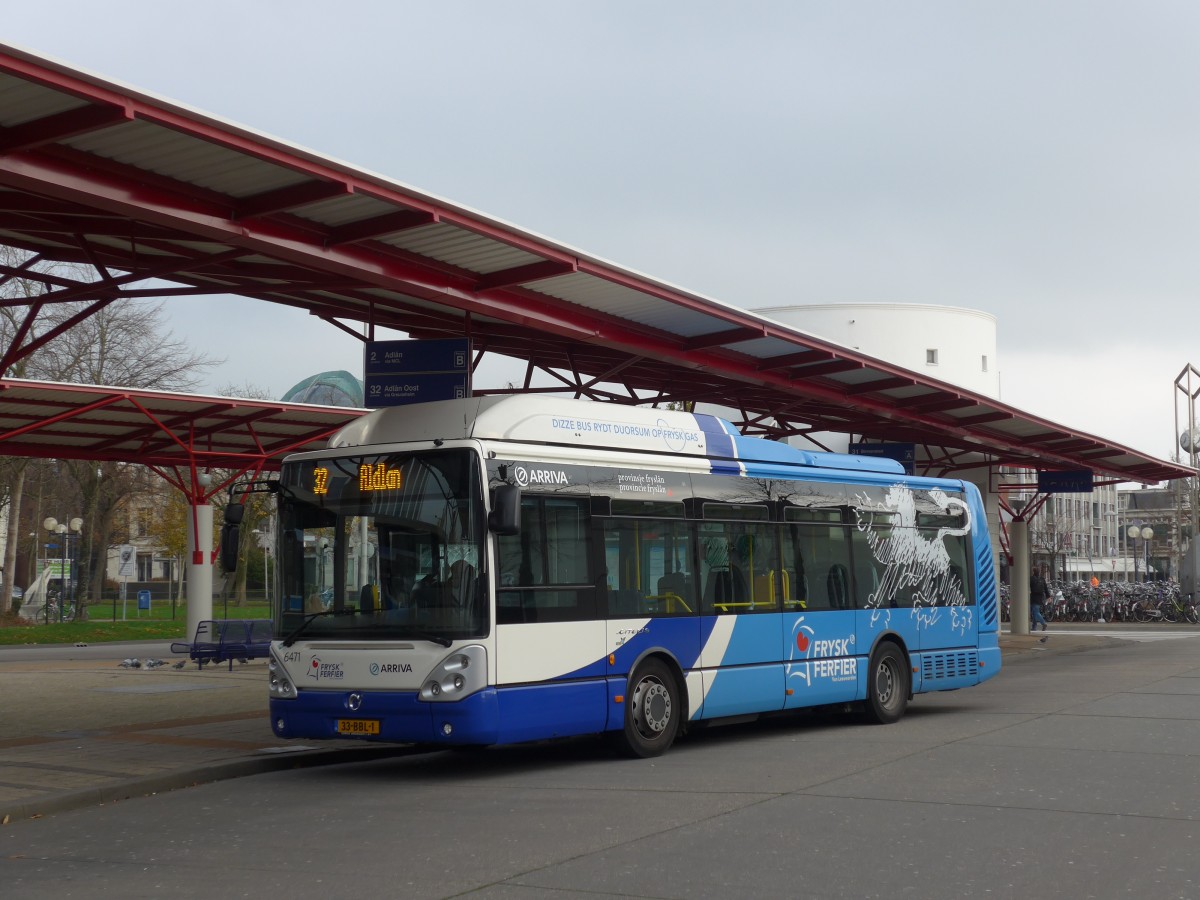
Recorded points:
358,726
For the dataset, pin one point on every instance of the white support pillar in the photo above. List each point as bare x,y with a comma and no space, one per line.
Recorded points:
1018,591
200,570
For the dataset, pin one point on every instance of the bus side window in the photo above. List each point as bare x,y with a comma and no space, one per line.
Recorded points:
951,587
741,566
544,571
646,564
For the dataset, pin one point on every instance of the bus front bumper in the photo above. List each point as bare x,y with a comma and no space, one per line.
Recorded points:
393,716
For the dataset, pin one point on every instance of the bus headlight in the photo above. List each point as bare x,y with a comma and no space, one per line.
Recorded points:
279,686
459,675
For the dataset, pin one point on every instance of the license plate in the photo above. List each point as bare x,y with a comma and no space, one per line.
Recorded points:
358,726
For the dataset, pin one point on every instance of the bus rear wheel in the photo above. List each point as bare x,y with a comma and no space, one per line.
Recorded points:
887,685
652,711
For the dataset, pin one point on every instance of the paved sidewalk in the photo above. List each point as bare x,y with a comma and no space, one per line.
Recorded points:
77,733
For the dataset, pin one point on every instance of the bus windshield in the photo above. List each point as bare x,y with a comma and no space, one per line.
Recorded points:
382,547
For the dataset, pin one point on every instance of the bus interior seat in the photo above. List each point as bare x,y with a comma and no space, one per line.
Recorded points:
625,602
367,598
673,583
426,592
802,594
764,590
837,583
724,586
718,587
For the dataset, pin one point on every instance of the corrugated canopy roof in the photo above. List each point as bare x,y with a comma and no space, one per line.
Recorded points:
158,428
138,188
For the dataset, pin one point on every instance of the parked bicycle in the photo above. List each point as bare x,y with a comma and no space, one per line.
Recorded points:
1113,601
52,613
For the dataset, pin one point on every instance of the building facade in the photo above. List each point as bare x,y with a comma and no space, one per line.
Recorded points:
1156,529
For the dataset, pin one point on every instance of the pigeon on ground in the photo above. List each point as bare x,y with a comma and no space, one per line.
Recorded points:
180,664
131,663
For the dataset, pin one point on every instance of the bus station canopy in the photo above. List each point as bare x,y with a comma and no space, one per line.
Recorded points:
157,200
158,428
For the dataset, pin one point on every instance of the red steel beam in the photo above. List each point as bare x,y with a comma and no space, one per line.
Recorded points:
61,126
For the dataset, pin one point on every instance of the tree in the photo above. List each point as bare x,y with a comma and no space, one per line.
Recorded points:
1053,536
169,529
125,343
13,470
12,486
258,507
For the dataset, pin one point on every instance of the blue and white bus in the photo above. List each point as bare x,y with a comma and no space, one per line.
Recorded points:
506,569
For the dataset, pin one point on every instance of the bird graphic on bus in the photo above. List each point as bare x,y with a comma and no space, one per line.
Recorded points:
912,561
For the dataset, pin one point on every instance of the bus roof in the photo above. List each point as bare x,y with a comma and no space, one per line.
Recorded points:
562,421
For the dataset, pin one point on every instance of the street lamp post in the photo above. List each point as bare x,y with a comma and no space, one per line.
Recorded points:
1146,533
62,529
263,539
1132,532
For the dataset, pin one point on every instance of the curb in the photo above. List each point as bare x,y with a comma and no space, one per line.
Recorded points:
1023,647
146,785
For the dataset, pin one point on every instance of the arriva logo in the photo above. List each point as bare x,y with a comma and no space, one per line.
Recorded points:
526,477
391,668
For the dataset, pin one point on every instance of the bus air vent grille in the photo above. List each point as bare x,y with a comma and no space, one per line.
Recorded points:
959,664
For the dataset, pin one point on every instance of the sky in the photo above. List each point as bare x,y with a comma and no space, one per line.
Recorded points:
1033,159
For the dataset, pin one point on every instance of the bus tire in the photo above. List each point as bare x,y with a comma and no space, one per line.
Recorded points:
887,685
653,711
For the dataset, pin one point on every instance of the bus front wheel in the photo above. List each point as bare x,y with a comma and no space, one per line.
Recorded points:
887,685
652,711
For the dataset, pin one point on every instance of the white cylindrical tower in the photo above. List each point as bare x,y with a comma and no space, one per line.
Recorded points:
948,343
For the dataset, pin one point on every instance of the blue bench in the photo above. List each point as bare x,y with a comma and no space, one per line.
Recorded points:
224,640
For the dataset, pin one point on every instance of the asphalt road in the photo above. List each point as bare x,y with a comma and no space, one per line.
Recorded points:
1070,775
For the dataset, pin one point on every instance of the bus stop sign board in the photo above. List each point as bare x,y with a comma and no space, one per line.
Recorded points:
1075,481
905,454
401,372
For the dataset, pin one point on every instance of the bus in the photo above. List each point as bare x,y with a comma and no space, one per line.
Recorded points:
507,569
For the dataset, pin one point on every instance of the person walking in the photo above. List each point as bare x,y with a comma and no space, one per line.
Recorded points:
1038,594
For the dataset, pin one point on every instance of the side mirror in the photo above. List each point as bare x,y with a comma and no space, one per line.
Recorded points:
229,544
505,517
230,536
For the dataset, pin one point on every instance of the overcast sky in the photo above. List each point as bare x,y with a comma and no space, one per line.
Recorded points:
1036,160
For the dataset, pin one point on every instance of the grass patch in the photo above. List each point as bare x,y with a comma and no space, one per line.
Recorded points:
91,632
153,625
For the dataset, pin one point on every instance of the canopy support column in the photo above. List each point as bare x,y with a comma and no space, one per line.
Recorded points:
200,569
1018,533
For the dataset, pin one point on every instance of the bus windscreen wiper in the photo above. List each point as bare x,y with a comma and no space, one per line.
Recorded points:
308,620
432,638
